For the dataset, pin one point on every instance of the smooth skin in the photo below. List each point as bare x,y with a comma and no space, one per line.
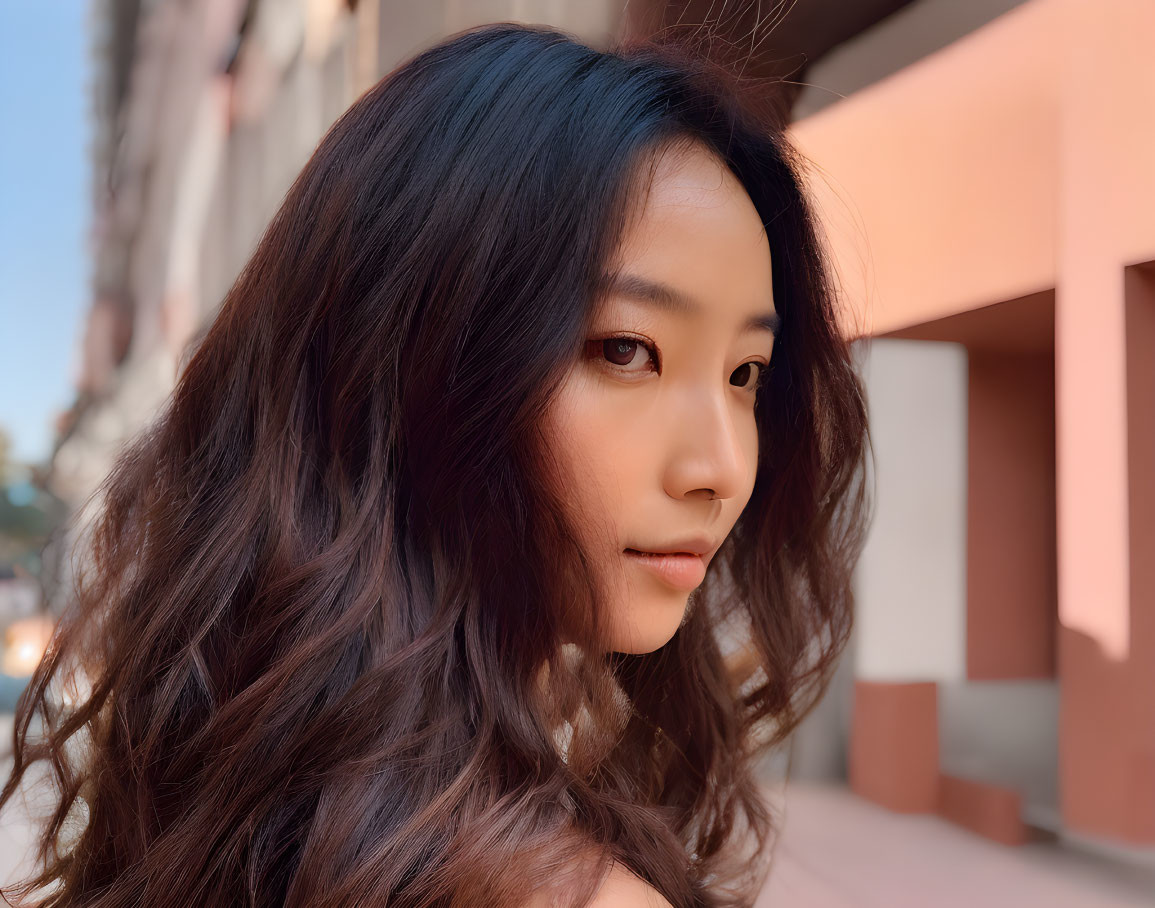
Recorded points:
622,889
659,435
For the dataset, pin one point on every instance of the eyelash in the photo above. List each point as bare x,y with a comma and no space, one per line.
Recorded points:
596,344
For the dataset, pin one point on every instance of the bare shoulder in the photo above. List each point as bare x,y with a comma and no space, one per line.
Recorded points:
623,889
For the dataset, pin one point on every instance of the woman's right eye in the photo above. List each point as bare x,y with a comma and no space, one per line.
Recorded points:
622,353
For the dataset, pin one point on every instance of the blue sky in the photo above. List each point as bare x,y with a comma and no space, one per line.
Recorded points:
45,212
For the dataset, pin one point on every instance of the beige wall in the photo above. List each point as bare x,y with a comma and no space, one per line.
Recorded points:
911,580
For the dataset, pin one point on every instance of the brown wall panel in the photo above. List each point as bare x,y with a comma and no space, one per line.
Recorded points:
894,744
1012,598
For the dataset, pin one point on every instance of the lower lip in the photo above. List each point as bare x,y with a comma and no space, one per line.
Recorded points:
683,571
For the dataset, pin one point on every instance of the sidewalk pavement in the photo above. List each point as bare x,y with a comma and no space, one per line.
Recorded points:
838,850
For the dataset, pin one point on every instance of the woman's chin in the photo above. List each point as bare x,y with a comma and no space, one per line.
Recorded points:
652,623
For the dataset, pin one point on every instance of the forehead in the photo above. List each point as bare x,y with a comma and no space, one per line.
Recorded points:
694,225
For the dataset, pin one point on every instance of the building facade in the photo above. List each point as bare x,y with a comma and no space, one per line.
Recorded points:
982,172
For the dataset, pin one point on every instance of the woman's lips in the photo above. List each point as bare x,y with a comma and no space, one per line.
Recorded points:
683,571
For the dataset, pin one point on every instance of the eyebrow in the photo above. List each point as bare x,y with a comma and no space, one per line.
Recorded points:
670,299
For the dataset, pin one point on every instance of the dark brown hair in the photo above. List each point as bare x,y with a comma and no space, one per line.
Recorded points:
307,647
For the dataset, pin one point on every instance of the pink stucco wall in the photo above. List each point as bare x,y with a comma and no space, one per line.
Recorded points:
1018,161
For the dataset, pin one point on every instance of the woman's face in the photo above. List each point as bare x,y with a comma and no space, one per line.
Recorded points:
655,419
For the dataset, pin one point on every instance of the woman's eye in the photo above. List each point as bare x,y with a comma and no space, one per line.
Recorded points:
625,353
629,354
744,372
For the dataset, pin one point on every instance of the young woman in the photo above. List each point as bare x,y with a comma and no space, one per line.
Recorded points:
527,423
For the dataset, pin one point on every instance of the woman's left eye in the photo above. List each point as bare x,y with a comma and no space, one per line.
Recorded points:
743,373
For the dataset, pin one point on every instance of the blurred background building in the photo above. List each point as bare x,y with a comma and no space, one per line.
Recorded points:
983,173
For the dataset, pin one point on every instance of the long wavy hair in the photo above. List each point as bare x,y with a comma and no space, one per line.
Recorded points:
333,640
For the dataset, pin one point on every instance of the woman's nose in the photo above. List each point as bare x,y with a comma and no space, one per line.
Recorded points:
707,454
